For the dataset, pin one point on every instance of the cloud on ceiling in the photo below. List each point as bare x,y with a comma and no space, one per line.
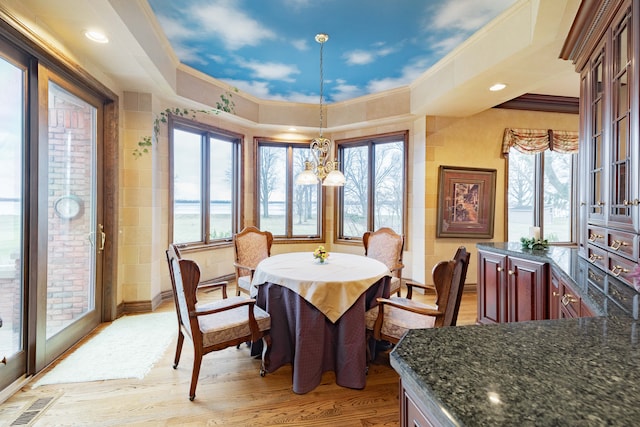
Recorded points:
239,27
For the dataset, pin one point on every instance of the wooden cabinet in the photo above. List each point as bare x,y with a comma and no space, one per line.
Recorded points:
511,289
608,60
527,285
571,305
554,296
492,290
411,412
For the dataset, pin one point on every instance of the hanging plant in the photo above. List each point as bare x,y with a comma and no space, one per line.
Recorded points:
225,104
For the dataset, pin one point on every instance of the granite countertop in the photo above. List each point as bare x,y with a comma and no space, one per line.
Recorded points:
582,372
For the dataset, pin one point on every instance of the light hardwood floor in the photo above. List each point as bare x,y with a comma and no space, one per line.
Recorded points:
230,393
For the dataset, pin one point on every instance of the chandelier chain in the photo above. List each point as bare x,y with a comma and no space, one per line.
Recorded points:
321,41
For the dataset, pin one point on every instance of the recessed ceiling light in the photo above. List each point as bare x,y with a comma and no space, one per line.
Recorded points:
292,129
498,86
96,36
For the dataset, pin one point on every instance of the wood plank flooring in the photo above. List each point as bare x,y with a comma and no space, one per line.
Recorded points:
230,393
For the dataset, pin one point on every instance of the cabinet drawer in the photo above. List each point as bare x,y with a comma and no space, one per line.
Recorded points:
597,278
621,268
621,243
414,416
597,256
570,303
597,236
624,298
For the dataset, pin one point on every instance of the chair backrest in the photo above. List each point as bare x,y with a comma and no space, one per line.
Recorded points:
460,275
449,278
185,276
252,246
386,246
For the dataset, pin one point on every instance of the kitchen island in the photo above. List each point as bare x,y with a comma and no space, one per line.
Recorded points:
576,371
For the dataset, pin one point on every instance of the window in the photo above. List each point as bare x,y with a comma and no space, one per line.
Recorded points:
284,209
205,183
374,195
541,182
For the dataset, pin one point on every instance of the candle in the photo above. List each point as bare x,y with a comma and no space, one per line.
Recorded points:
534,232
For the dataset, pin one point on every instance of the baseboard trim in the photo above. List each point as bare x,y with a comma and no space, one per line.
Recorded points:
138,307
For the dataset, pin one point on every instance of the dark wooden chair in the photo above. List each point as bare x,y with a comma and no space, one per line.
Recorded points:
209,284
250,247
394,316
216,325
386,246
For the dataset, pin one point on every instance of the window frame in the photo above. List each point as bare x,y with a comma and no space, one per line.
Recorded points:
207,132
371,141
538,192
290,183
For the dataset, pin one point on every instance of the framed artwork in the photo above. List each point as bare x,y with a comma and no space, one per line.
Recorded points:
466,202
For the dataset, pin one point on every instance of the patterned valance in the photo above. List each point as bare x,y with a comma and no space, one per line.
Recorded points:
532,141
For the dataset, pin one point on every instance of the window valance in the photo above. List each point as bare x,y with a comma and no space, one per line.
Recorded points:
532,141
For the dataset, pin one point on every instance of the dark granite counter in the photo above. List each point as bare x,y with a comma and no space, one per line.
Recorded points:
575,372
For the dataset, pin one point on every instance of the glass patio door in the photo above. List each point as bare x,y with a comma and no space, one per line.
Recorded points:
69,211
12,217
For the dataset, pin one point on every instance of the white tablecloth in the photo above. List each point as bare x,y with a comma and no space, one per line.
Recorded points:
331,287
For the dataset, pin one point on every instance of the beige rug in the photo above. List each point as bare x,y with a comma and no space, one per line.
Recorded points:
128,348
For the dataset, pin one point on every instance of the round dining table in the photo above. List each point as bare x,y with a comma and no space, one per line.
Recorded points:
318,314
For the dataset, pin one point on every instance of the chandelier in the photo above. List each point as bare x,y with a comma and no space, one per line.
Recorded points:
321,167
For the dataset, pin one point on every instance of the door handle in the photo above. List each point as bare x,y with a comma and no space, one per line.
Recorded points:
103,237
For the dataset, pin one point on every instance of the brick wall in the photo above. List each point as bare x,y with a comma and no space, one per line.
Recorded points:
70,272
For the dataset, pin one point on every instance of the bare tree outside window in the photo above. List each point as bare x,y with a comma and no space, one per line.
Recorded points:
356,190
374,194
388,194
286,209
554,172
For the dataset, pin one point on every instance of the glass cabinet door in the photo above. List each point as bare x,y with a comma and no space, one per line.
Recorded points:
620,197
596,146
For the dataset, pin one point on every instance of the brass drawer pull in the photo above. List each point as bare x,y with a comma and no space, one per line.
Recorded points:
499,269
617,243
617,269
593,237
568,299
593,257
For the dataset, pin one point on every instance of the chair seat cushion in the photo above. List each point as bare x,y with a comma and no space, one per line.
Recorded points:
394,285
397,322
224,326
244,282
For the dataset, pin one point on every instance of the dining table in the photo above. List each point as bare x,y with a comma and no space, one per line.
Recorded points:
318,314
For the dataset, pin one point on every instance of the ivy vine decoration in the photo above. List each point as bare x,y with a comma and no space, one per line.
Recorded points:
533,243
225,104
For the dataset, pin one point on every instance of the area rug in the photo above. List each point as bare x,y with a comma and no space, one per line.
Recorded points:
127,348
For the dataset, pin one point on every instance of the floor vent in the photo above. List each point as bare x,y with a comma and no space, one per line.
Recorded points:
30,414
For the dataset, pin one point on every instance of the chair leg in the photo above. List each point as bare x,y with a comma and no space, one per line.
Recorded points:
178,349
266,347
197,361
371,346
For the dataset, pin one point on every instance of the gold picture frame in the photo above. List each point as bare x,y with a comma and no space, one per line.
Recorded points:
466,202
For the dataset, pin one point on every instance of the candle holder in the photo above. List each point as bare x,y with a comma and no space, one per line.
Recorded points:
533,243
